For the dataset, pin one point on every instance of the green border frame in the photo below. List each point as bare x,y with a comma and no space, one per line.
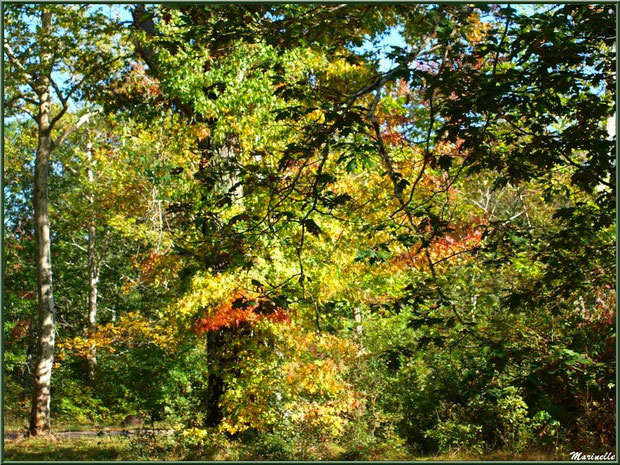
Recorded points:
127,2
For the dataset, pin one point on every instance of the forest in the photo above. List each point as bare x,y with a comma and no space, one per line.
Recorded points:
296,231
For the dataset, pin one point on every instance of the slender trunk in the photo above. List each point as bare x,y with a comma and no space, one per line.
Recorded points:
93,273
357,314
40,413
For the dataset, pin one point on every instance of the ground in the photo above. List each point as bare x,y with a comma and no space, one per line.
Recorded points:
107,448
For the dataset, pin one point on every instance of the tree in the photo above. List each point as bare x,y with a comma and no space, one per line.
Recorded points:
442,114
54,54
330,225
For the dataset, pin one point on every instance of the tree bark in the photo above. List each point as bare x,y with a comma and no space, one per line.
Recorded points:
31,353
215,383
357,315
40,413
93,272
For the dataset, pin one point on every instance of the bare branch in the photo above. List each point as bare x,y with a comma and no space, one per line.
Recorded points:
23,110
383,78
454,254
12,103
60,114
24,98
13,59
98,67
78,246
76,86
84,119
62,99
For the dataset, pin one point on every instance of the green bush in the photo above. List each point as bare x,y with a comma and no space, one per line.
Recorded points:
452,436
545,428
78,404
512,411
271,447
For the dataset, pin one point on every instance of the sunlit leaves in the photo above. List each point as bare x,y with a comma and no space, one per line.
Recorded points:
130,330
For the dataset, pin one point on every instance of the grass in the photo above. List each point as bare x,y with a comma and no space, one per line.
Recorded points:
499,455
122,448
108,448
102,449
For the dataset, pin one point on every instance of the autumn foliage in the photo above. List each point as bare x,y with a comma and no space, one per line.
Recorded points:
239,309
315,231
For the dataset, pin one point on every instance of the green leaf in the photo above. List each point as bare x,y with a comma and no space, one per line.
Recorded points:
445,162
312,227
341,199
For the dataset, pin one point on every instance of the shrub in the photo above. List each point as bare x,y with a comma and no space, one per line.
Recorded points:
545,428
515,427
452,436
270,447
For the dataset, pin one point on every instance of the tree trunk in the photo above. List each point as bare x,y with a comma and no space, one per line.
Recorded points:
357,315
215,383
40,413
31,353
93,273
229,176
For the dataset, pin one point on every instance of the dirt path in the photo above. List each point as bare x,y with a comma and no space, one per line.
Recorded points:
13,435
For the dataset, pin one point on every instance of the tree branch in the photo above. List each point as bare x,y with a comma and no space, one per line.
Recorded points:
12,103
384,77
62,99
84,119
75,87
13,59
23,110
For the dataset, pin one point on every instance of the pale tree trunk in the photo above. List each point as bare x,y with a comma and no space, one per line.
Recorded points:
230,179
357,314
93,272
40,413
611,126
